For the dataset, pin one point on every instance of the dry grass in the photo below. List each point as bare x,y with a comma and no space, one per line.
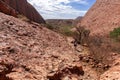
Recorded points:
23,18
102,48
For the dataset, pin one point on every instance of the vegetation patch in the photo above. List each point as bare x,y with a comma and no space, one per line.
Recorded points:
115,34
61,26
81,35
23,18
66,30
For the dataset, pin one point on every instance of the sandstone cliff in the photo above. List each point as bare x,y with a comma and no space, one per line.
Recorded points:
24,8
103,17
7,9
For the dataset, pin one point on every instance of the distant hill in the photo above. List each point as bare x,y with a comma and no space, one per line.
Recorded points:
64,22
60,22
63,26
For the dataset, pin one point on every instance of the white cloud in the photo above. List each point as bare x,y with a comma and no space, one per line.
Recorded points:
57,9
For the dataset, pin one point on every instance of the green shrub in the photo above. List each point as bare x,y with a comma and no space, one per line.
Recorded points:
115,34
49,26
66,30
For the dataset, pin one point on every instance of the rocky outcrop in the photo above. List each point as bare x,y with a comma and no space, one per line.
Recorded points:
7,9
67,70
103,17
26,9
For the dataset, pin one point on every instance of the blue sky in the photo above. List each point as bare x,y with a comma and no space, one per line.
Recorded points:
62,9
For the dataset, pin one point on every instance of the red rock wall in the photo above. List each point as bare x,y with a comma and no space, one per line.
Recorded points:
7,10
23,7
103,17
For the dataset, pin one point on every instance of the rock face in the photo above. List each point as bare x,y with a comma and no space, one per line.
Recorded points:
103,17
24,8
7,10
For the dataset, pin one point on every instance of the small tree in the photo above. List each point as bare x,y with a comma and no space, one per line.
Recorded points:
81,35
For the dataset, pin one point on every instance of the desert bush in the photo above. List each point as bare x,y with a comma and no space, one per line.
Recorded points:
115,34
81,35
49,26
97,49
102,49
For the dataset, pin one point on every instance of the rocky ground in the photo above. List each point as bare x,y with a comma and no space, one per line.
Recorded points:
105,60
28,51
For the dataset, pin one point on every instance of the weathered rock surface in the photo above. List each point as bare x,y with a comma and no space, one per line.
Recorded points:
114,72
32,52
24,8
111,74
7,9
102,17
